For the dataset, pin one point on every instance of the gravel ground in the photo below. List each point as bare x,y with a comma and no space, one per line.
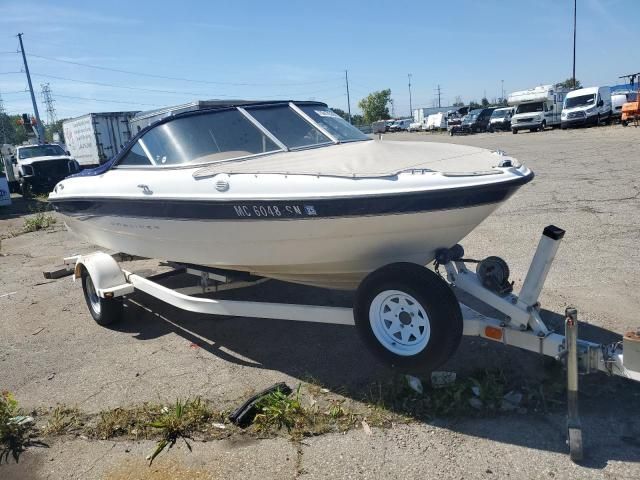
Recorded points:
51,352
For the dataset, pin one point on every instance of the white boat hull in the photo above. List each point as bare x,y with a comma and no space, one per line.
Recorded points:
326,252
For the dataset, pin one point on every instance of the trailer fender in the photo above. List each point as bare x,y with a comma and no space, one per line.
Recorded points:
107,277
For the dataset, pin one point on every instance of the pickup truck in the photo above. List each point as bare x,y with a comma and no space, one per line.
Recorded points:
38,168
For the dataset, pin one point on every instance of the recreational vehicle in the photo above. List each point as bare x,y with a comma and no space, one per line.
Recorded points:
536,108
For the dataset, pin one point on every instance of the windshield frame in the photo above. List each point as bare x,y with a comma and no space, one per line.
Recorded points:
531,112
593,103
242,108
35,147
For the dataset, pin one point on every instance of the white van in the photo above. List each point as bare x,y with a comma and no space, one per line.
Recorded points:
618,100
436,121
587,106
536,108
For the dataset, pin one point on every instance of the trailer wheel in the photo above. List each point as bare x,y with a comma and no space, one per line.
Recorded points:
408,316
514,130
624,123
104,311
25,190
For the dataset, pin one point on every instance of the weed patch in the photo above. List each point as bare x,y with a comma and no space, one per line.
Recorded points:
16,430
63,420
181,421
41,217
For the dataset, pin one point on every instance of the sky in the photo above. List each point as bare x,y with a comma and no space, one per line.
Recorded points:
170,53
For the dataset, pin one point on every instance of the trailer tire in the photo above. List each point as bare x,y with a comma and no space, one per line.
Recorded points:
624,123
425,305
105,311
514,131
25,190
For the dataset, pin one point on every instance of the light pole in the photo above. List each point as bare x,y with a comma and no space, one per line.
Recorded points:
39,127
410,106
575,6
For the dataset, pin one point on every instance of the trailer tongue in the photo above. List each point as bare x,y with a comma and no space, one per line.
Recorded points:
105,283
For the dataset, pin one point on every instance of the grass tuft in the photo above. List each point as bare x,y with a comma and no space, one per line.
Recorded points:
40,219
63,420
15,432
180,421
278,410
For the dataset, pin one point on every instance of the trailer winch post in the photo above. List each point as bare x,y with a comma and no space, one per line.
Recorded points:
574,429
541,264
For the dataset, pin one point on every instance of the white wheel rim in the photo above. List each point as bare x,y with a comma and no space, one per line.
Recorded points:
399,322
94,300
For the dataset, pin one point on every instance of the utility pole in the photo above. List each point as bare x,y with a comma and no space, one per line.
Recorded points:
410,106
439,96
346,79
392,112
48,101
39,127
502,91
575,7
3,131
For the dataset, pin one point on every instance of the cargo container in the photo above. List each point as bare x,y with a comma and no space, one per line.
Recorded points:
94,138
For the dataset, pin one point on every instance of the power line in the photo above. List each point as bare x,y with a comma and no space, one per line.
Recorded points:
10,73
174,92
105,100
164,77
16,91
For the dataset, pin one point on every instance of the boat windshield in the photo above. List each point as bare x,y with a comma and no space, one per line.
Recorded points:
333,123
288,126
580,101
205,138
40,151
230,134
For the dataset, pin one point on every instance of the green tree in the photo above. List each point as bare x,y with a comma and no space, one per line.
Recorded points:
474,105
375,106
15,132
458,102
49,130
568,83
357,119
484,102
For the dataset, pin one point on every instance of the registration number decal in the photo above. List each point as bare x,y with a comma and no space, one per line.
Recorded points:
274,211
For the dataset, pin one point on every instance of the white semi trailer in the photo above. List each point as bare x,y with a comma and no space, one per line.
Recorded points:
537,108
94,138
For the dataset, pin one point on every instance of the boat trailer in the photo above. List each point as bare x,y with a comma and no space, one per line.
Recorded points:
105,282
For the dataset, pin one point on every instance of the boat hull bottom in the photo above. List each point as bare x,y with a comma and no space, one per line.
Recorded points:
333,253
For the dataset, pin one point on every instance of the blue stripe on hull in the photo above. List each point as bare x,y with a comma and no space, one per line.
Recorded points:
175,209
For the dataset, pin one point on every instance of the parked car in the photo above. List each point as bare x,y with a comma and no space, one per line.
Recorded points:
500,119
587,106
400,125
475,121
416,126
